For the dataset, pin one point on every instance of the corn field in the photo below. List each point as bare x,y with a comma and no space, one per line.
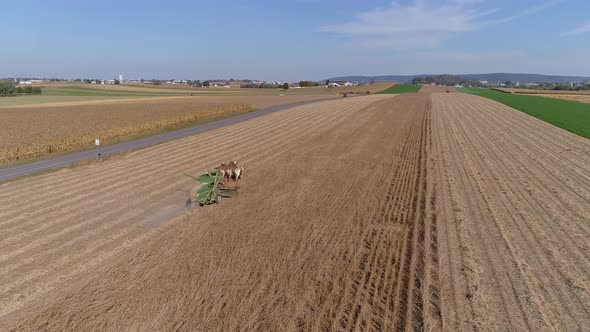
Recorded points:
43,131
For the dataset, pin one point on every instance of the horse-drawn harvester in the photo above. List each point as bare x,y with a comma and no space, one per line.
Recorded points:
215,184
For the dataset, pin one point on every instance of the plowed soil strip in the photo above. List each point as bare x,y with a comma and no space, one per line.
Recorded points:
333,228
513,211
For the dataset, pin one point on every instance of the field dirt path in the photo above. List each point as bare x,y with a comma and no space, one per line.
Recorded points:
336,237
513,210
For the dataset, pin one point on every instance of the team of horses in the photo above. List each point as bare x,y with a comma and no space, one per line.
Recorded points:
231,170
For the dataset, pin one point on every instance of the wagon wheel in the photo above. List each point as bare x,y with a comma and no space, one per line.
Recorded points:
218,199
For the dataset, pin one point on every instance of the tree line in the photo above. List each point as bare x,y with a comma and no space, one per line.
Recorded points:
9,88
308,84
264,86
448,80
28,90
570,88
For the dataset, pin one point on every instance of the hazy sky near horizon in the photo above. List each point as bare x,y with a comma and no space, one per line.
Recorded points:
292,40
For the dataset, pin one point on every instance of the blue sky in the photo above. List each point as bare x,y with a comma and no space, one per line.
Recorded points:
292,40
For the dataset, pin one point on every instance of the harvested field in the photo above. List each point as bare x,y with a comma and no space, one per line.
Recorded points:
61,224
372,88
34,100
513,216
50,101
544,92
346,252
421,211
41,130
582,98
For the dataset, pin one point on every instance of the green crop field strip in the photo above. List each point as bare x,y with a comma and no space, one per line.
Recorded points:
569,115
84,91
80,93
402,88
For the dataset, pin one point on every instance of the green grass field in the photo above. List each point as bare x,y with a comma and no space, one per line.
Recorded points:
569,115
80,93
87,91
401,88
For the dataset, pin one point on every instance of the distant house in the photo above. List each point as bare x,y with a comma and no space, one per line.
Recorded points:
109,82
24,82
340,83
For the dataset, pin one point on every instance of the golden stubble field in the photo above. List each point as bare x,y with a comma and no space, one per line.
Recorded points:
544,92
35,131
582,98
40,126
579,96
421,211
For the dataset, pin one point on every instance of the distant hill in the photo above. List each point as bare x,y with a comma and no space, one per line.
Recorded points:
492,78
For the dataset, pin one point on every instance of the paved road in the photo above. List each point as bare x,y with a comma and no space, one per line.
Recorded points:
71,158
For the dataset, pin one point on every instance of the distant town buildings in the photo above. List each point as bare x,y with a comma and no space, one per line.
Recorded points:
176,82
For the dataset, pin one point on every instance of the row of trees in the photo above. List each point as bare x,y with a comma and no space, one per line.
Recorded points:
265,86
308,84
570,88
448,80
34,90
9,88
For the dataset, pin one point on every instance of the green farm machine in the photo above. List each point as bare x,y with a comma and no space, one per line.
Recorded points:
213,186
